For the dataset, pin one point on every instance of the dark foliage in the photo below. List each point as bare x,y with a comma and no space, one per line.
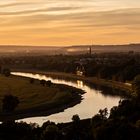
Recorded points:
32,80
116,66
6,72
10,102
136,86
123,123
43,82
48,83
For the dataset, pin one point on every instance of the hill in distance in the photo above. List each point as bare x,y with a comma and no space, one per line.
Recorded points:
104,48
51,50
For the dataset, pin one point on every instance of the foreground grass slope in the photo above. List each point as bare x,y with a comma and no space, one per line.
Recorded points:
35,95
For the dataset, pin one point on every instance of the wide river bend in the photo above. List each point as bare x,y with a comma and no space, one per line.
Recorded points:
93,101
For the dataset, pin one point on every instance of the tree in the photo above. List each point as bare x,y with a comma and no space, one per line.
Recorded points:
32,80
51,133
43,82
75,118
10,102
48,83
6,72
136,85
0,69
103,113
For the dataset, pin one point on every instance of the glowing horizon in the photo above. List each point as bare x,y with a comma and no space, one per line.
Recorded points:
75,22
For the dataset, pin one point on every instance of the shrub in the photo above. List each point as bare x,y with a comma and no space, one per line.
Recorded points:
10,102
6,72
32,80
42,82
48,83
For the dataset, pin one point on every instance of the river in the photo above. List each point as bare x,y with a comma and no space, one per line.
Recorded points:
93,101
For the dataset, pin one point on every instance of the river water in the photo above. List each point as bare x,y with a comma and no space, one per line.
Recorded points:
93,101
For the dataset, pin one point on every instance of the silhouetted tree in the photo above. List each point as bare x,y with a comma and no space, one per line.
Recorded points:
0,69
43,82
32,80
48,83
51,133
6,72
10,102
75,118
103,113
136,86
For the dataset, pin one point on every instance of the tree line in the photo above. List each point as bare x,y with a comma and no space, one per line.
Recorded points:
114,66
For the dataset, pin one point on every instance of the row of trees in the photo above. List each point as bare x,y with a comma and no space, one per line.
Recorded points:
121,72
123,123
42,82
117,66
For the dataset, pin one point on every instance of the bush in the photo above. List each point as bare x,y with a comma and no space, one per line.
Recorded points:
136,85
6,72
75,118
10,102
42,82
32,80
48,83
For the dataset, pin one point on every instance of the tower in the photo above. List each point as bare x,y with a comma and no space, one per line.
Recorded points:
90,51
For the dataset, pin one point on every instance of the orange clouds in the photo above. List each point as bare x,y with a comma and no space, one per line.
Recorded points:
60,23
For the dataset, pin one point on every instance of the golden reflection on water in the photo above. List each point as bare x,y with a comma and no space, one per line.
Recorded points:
80,84
92,101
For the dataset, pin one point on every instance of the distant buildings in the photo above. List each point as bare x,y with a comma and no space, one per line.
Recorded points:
80,70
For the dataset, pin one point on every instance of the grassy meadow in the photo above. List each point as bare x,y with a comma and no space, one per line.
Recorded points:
35,95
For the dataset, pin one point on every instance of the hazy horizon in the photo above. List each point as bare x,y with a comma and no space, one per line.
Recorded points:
79,49
61,46
66,23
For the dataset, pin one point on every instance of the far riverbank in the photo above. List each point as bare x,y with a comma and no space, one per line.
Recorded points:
125,87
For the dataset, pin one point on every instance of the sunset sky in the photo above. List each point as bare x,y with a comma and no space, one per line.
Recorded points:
69,22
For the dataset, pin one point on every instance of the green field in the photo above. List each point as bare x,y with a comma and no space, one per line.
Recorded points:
35,95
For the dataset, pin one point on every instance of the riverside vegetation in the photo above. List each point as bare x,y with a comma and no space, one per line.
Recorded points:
122,123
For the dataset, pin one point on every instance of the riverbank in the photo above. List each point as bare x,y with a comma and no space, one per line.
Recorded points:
36,99
125,87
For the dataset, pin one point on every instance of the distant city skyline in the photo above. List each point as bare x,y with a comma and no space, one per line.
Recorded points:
69,22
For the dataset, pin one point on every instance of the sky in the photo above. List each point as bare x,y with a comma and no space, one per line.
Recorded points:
69,22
